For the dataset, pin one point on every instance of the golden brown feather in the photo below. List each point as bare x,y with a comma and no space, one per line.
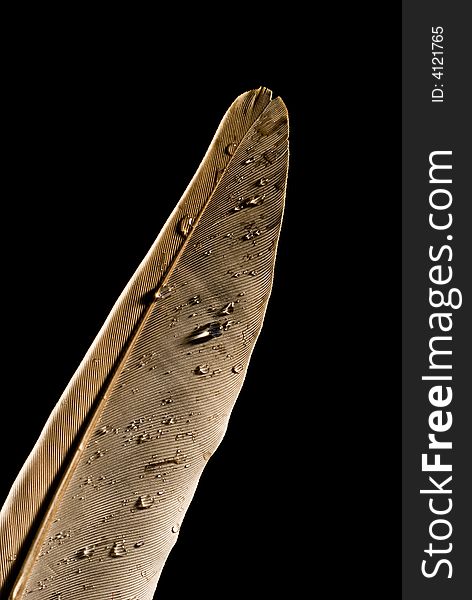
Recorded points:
109,481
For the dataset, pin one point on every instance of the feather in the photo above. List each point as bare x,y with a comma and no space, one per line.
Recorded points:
112,474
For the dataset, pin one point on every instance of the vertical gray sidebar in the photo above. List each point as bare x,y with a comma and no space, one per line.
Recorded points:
437,300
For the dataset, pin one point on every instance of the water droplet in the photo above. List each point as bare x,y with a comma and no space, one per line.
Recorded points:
228,309
145,501
248,160
103,430
279,185
194,300
207,253
202,369
218,175
169,421
175,528
144,360
163,292
231,148
251,234
96,455
267,125
256,200
143,437
263,181
270,156
227,325
139,544
186,225
237,368
165,461
252,273
192,315
118,549
205,332
61,535
86,552
242,294
251,202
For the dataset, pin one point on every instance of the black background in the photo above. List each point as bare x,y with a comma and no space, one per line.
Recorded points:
105,129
